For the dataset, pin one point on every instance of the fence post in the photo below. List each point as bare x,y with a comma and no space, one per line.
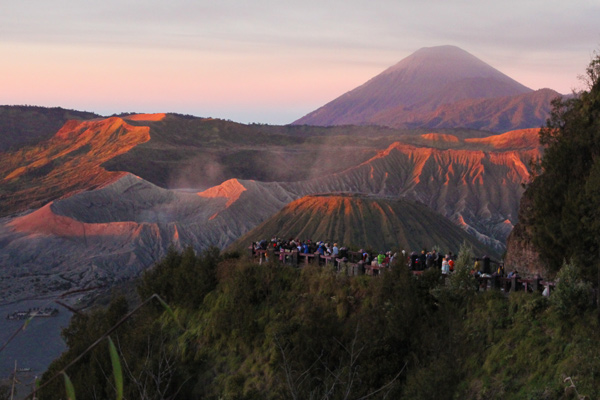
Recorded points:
494,282
514,284
271,254
536,284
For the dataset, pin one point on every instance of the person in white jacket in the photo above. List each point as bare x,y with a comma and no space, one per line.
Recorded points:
445,266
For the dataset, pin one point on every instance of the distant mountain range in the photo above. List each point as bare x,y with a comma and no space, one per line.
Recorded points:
438,87
68,218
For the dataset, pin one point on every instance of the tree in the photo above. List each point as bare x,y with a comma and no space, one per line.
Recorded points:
564,194
4,392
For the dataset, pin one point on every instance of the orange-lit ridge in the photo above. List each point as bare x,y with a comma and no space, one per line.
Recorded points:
45,221
231,190
146,117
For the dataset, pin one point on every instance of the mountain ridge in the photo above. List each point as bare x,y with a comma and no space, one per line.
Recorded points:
87,223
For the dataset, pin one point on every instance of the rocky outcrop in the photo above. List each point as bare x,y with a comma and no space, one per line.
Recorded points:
521,254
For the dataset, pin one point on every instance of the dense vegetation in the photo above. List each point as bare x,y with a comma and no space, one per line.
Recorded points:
245,331
565,195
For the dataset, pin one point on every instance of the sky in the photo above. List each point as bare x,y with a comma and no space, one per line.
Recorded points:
269,61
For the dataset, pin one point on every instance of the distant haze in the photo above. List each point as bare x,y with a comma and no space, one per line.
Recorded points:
268,62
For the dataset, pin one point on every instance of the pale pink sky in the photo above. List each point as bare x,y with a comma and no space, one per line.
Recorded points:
268,61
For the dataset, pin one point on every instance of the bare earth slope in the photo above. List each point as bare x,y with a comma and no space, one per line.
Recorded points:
363,221
500,114
68,162
102,236
478,190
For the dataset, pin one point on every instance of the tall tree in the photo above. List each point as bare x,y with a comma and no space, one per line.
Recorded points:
565,195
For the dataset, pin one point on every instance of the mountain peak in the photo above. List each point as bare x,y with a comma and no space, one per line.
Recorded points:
436,55
442,65
420,83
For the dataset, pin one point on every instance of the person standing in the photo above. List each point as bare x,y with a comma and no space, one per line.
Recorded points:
445,266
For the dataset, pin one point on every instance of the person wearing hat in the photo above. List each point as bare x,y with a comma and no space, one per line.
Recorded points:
335,251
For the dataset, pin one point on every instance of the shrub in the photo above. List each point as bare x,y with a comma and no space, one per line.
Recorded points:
572,295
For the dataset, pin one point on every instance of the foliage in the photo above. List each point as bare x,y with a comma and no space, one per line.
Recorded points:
82,331
462,285
566,192
572,295
173,277
277,332
5,392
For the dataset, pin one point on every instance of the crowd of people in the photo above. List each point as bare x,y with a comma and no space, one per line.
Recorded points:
373,262
304,247
382,259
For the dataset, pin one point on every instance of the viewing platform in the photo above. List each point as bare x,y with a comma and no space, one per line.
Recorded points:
352,263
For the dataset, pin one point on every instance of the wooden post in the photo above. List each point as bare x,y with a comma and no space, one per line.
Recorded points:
271,254
12,390
513,284
535,285
494,282
360,268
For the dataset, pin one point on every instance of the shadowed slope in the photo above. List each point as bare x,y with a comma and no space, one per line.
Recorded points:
363,221
500,114
27,125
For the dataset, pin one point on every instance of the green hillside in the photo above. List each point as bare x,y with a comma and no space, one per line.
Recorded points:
237,330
